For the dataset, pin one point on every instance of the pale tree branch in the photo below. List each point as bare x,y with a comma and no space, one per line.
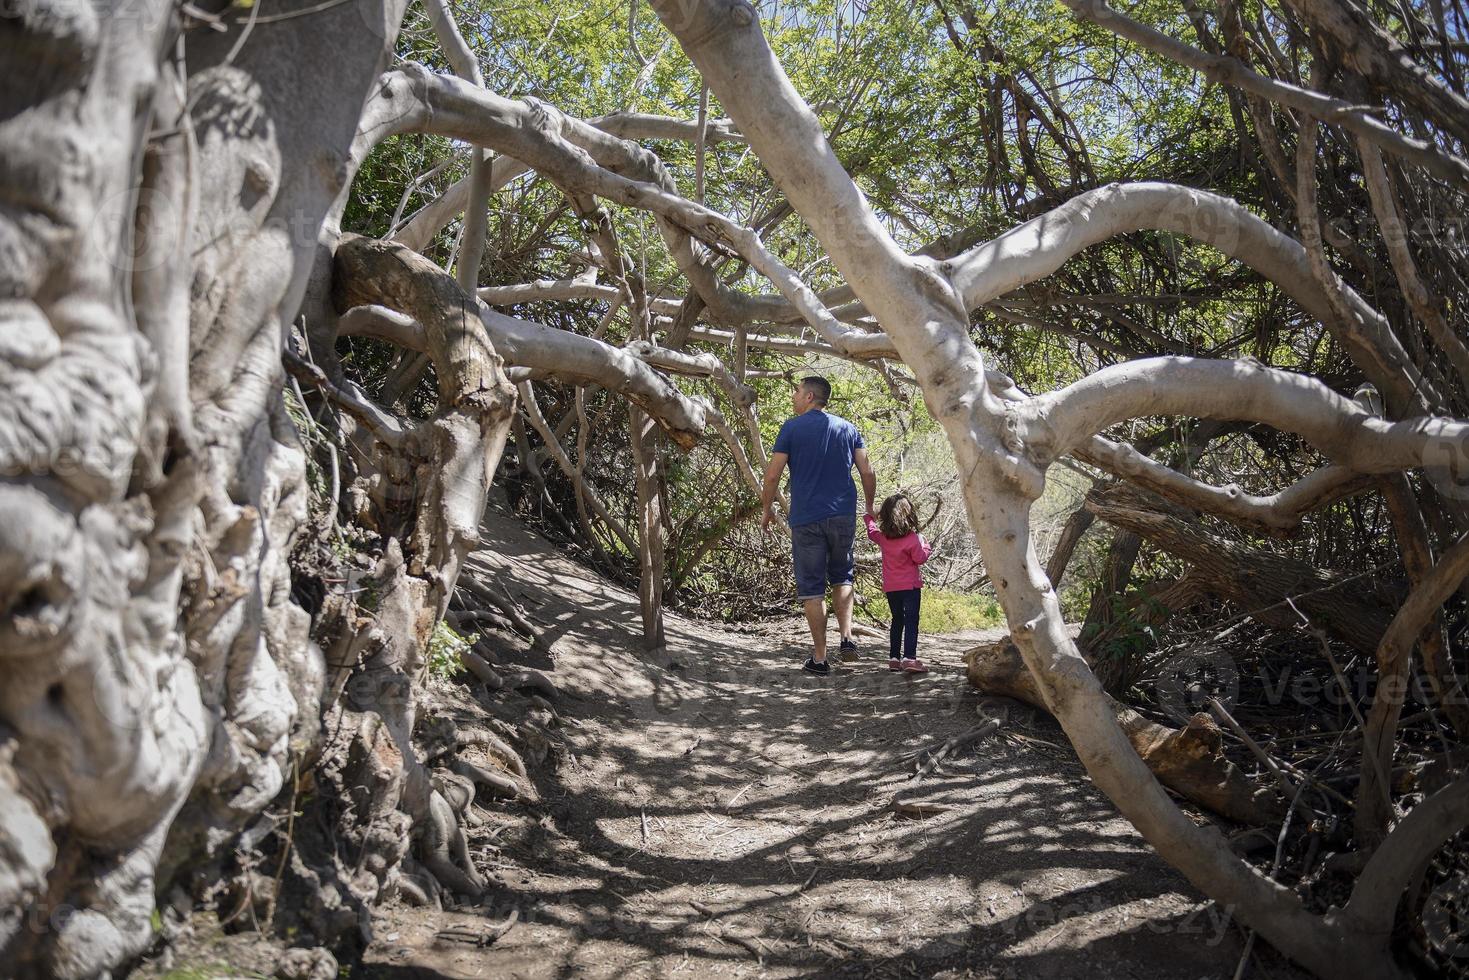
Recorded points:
1381,885
583,286
481,175
429,220
737,449
381,323
1042,245
648,126
1424,304
417,287
741,398
532,131
572,357
383,426
1230,71
1344,431
694,365
1277,514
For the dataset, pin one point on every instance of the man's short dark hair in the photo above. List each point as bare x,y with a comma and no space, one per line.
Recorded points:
818,386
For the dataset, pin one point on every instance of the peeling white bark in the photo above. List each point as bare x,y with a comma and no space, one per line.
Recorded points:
156,669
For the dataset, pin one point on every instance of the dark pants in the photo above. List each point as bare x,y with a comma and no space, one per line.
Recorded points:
822,555
903,634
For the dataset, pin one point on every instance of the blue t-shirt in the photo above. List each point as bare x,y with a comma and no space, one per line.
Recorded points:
820,447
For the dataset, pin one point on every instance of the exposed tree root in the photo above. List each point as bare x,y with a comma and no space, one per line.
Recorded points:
482,670
532,679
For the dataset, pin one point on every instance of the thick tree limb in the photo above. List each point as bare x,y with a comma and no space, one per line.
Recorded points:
387,273
696,365
381,323
1188,760
1042,245
432,217
581,286
1239,390
649,126
560,148
1258,580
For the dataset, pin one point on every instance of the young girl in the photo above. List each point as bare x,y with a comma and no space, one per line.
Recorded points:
903,550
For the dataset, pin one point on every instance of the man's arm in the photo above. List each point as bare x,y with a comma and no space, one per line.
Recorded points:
770,487
869,478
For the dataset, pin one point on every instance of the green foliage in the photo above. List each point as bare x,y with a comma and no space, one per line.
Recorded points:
920,102
1120,648
446,648
212,971
950,612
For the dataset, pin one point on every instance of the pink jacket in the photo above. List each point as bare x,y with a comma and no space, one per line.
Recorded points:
900,557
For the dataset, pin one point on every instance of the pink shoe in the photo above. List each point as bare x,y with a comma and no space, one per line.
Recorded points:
914,667
895,664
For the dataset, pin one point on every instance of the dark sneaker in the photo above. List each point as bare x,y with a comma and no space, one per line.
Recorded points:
821,668
848,652
894,663
911,666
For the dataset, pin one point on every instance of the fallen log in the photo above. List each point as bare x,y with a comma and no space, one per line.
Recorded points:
1189,760
1353,609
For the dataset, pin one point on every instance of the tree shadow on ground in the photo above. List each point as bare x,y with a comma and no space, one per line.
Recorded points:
720,813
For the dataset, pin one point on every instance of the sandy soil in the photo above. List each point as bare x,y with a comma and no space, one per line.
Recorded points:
718,813
712,811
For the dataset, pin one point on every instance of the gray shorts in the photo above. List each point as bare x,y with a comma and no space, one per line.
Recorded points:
822,554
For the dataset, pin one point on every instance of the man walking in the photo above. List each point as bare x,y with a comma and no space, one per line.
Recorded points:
821,450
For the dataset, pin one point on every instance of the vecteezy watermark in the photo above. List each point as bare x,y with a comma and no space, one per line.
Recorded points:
1190,679
43,918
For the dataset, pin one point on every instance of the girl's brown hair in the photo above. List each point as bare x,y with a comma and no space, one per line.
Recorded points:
897,517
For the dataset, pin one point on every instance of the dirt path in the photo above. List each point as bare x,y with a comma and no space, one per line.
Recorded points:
721,814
